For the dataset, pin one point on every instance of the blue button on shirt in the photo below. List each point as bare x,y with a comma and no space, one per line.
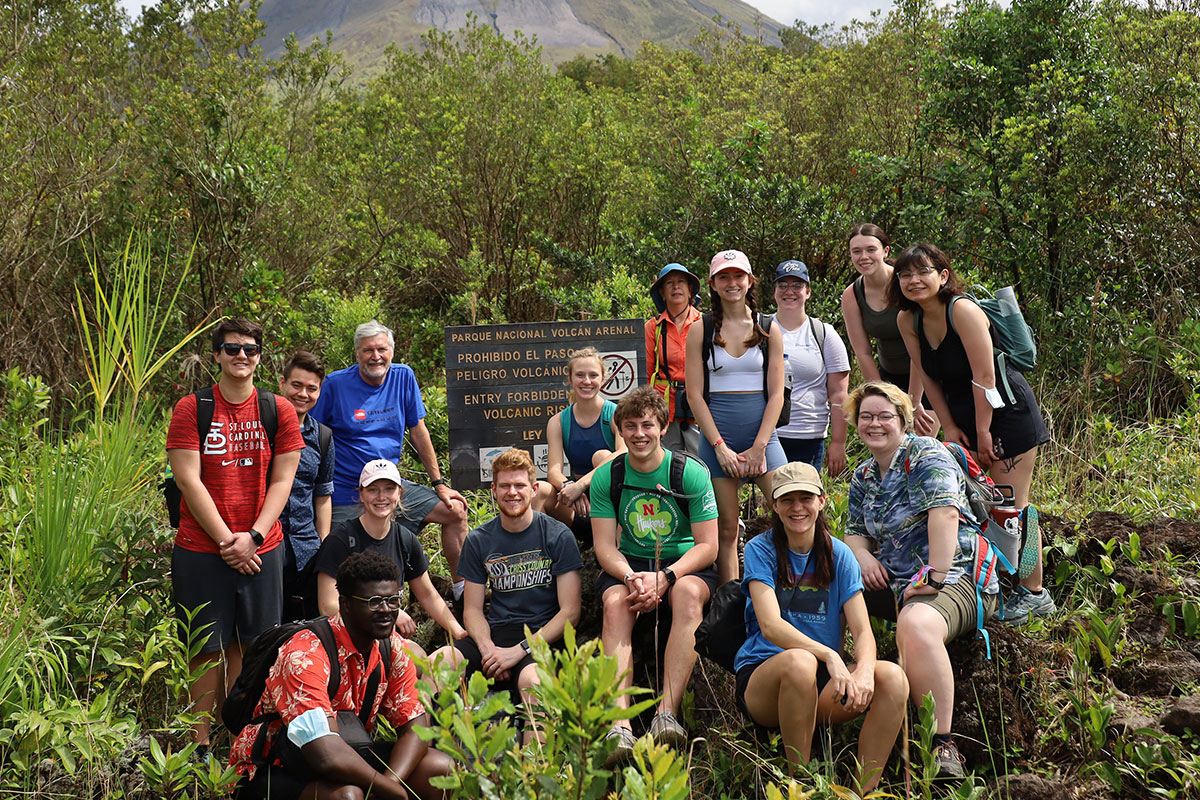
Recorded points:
314,478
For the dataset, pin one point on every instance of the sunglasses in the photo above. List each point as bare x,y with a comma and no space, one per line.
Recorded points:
232,349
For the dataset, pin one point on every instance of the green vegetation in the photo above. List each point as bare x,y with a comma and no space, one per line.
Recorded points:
165,174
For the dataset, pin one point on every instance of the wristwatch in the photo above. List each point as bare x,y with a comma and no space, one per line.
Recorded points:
436,482
525,645
257,537
670,574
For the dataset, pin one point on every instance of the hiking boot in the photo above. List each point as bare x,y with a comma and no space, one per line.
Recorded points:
665,729
1023,605
624,749
1031,549
949,761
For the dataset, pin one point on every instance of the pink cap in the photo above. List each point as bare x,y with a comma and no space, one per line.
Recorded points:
379,469
729,259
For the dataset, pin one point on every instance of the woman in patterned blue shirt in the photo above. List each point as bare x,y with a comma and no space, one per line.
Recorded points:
902,525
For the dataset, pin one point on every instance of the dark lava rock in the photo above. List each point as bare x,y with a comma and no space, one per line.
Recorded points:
1183,716
1157,675
1033,787
1127,719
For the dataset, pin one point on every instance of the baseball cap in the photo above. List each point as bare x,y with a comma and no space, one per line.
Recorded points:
655,288
376,470
792,269
729,259
797,476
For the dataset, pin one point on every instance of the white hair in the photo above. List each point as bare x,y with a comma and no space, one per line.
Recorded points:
370,329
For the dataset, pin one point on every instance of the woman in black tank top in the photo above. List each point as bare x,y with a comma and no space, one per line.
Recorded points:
950,346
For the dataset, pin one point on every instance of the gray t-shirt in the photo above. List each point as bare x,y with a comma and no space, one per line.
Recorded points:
520,568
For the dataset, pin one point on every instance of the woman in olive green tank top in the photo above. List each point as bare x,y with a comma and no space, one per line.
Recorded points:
868,317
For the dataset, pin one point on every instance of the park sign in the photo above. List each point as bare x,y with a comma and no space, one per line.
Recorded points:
503,383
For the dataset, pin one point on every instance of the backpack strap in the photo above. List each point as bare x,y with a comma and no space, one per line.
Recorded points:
607,412
324,632
659,362
324,437
385,655
999,355
764,322
616,482
564,421
679,459
817,328
706,347
204,413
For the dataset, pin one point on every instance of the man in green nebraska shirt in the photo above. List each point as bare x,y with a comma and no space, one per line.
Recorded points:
657,546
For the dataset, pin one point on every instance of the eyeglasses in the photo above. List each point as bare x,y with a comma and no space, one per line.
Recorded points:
908,274
378,603
232,349
786,286
866,418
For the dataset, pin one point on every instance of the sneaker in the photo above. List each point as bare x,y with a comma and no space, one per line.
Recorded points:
624,749
665,729
1031,548
949,761
1023,605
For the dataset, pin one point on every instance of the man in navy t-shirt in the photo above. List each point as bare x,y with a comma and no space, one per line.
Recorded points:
370,406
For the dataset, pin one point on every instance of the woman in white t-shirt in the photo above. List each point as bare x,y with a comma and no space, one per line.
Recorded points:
820,374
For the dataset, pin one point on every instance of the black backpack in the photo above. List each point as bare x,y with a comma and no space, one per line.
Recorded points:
268,413
679,459
238,710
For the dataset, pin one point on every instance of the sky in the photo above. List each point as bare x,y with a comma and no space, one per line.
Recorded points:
819,12
813,12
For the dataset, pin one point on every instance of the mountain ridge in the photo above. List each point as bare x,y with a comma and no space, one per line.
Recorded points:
363,29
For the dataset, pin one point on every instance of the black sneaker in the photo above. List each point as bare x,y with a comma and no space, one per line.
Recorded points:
949,761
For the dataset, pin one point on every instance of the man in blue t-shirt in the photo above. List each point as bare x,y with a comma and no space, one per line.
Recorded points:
370,406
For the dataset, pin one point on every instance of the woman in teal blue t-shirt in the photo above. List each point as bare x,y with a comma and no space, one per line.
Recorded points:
790,672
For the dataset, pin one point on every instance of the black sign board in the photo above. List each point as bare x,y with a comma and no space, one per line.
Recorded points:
503,382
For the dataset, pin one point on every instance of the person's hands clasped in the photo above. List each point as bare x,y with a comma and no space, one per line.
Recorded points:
754,460
643,592
860,690
240,553
875,575
499,660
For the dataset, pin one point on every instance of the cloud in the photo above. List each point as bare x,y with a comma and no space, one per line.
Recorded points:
819,12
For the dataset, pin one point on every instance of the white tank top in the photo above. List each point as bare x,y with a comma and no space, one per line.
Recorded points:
729,374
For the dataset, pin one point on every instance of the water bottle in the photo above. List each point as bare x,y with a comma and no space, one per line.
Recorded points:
1007,300
787,374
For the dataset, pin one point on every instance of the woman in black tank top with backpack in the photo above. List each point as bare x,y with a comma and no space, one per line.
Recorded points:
868,316
950,344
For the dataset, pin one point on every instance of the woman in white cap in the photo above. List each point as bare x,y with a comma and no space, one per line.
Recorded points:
735,389
378,528
790,673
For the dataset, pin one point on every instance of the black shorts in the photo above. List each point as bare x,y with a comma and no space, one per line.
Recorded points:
604,581
276,783
742,680
230,606
502,636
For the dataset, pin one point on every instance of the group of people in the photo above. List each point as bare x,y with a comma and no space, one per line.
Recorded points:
293,506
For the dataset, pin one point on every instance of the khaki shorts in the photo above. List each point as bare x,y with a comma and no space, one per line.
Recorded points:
956,603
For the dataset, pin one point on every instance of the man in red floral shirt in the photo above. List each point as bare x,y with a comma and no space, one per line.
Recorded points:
297,689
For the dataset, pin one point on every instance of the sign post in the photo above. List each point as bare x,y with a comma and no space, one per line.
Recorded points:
503,383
